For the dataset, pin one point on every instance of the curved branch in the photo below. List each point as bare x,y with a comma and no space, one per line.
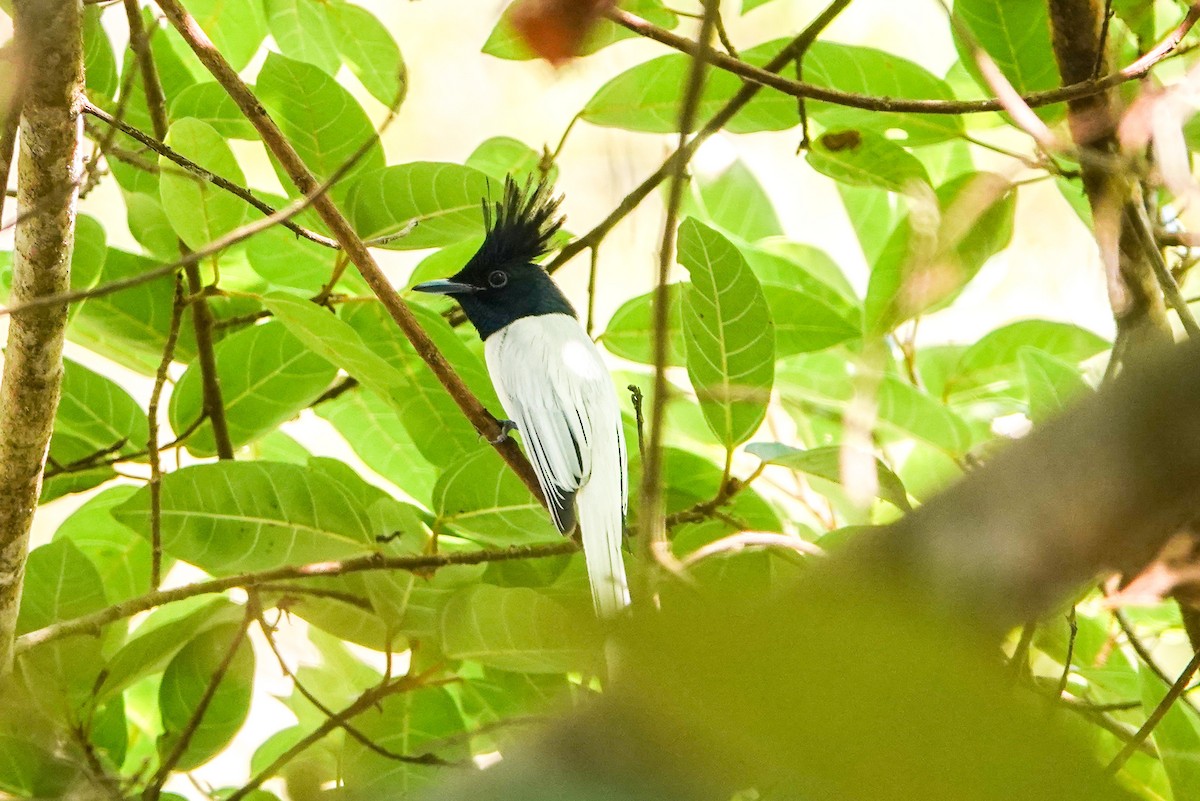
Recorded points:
765,77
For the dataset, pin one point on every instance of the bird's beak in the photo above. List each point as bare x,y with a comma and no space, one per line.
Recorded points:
443,287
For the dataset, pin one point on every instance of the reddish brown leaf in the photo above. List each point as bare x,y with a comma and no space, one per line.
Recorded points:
556,29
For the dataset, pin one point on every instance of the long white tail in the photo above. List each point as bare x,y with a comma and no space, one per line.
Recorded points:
601,527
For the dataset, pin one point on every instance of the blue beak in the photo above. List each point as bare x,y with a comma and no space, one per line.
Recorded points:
442,287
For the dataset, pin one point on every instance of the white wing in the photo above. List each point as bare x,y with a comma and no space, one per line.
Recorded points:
555,387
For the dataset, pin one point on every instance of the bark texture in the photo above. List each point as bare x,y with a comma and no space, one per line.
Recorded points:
1137,301
48,169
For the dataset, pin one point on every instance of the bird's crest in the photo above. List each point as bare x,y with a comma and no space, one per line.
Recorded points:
521,224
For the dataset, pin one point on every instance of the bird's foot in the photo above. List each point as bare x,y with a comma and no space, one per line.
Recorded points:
505,427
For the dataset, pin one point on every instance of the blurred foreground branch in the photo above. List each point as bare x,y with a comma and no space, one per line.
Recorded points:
878,677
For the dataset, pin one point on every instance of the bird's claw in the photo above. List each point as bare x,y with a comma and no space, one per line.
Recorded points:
505,427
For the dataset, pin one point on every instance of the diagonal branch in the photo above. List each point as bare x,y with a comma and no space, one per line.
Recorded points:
484,422
195,169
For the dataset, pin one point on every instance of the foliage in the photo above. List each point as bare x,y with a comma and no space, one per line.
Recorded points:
795,370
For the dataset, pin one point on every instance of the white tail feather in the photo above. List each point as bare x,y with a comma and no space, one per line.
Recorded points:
601,528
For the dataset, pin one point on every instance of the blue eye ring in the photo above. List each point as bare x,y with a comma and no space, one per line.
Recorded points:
497,279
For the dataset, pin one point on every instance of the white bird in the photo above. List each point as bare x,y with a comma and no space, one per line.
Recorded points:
552,381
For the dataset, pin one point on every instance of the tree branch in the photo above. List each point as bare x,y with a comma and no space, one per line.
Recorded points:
49,34
653,526
195,169
154,788
91,624
202,316
484,422
1156,716
1082,88
1133,291
793,50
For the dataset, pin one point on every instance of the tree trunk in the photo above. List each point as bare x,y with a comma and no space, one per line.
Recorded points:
48,172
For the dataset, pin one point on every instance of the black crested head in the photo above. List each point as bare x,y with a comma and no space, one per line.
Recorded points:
502,282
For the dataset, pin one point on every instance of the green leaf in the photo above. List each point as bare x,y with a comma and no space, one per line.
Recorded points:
407,723
481,499
867,71
160,637
865,158
378,436
825,463
1016,34
805,322
149,225
284,260
630,329
301,29
502,156
1052,383
729,333
97,411
61,583
804,267
519,629
874,213
1176,737
211,104
367,47
646,97
824,380
236,27
434,422
445,201
185,684
992,363
122,558
505,42
199,211
99,62
921,271
267,377
735,202
231,517
320,118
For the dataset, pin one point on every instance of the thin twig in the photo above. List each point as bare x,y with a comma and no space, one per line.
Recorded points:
593,268
1156,716
345,725
653,527
184,739
635,396
370,699
735,543
1140,222
216,246
160,381
93,623
194,169
202,316
747,72
792,50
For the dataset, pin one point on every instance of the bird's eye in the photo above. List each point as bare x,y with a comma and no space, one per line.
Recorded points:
497,279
